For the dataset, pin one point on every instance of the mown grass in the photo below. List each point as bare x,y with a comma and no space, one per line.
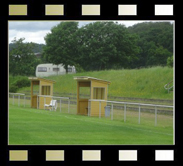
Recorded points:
29,126
140,83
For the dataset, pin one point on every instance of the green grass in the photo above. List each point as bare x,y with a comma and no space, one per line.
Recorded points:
139,83
29,126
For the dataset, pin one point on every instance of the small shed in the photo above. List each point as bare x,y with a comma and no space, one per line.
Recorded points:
45,87
98,90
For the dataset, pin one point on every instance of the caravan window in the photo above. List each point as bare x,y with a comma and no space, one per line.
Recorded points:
56,69
42,69
69,69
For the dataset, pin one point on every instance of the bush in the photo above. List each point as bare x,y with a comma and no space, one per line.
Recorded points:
170,61
19,83
79,69
13,88
23,82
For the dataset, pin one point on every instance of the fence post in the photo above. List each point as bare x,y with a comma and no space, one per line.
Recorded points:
68,105
18,100
99,109
125,112
60,104
13,99
24,100
139,113
37,101
112,111
155,115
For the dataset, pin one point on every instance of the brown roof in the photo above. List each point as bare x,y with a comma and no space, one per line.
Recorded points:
85,78
40,79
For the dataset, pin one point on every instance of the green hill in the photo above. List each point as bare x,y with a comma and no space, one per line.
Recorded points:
145,83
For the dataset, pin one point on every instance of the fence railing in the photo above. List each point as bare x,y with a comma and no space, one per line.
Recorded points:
114,106
168,87
18,95
55,97
125,108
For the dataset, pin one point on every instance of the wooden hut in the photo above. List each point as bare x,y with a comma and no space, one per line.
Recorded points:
45,87
98,91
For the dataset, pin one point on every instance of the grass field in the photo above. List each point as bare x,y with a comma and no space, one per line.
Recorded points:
29,126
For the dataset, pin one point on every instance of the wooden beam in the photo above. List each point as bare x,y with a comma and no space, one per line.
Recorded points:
84,84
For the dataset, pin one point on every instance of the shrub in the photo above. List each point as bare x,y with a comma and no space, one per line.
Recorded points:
170,61
23,82
13,88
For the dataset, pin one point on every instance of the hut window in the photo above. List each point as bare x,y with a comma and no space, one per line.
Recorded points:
98,93
45,90
84,92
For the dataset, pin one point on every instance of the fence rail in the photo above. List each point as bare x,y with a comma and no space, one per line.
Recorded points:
129,103
115,107
55,97
18,94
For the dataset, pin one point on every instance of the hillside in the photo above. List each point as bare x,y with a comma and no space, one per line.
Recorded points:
145,83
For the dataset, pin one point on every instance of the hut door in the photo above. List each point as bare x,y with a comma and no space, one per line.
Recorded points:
83,106
82,97
34,93
34,101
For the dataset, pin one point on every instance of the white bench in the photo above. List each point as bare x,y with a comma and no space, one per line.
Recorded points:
52,105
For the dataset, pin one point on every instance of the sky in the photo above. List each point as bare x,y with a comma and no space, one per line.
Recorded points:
35,31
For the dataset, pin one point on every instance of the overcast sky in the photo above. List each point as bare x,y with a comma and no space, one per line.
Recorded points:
35,31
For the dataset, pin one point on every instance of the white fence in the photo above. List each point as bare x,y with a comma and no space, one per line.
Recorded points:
125,108
21,100
18,96
55,97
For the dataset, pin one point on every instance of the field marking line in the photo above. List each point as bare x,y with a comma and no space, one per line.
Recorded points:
47,113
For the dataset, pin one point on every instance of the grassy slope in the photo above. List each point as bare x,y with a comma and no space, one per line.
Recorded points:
141,83
31,126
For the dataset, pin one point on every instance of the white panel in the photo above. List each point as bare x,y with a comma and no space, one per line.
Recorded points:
127,155
164,155
91,155
127,9
163,9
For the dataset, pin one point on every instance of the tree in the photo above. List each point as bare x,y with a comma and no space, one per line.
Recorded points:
22,60
61,47
105,45
155,42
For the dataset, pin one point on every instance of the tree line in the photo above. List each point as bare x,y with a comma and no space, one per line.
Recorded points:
101,45
109,45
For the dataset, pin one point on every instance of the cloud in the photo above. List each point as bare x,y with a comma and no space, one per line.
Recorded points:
36,37
32,26
35,31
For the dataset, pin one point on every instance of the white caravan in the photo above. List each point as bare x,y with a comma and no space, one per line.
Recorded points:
49,69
